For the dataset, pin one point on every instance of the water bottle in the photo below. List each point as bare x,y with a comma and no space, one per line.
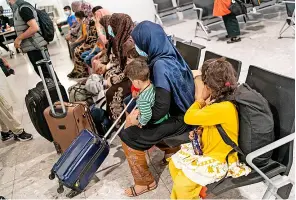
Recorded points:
196,143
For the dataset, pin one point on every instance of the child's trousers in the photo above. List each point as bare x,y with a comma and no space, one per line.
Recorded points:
7,120
183,187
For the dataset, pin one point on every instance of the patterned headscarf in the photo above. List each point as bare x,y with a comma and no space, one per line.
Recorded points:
100,29
128,46
122,26
86,8
104,21
83,6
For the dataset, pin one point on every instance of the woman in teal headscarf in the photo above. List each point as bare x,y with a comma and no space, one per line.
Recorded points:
174,85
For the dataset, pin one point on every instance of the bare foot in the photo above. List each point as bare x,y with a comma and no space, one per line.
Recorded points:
140,189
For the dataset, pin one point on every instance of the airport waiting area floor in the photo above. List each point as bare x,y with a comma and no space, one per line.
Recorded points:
24,167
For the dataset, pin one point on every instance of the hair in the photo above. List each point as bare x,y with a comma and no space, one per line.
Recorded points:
67,8
95,9
80,14
137,70
220,76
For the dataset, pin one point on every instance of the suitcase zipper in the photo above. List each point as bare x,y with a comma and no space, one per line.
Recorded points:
88,165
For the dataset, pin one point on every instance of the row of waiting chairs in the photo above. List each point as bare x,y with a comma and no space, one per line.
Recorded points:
204,11
280,93
187,49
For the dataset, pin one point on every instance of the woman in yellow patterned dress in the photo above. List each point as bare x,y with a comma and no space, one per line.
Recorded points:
191,172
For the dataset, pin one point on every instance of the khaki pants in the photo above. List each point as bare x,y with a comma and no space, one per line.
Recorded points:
7,120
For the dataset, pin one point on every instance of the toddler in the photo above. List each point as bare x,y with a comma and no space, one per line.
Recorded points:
138,72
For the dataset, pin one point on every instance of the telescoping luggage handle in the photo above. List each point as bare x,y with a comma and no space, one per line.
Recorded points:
117,120
121,114
50,69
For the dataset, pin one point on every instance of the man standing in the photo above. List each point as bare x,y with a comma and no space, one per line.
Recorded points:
29,37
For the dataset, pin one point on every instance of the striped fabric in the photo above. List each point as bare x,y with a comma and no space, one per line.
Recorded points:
145,102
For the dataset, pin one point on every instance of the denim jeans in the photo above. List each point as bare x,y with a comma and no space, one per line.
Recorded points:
87,55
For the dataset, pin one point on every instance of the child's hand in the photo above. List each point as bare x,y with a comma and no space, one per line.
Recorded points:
135,94
191,135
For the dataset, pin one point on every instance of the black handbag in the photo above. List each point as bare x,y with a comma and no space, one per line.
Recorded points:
237,7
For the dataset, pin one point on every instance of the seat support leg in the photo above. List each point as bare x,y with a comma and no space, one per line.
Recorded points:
158,19
283,29
204,29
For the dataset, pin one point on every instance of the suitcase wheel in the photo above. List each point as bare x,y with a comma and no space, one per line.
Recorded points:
72,194
51,176
58,148
60,189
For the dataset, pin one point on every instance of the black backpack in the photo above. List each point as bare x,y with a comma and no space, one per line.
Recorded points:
45,23
256,125
238,7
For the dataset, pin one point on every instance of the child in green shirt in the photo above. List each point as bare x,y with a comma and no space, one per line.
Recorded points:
138,72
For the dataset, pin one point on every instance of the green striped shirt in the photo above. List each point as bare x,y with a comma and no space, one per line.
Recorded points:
145,102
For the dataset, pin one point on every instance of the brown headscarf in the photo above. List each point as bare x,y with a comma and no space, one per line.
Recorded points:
128,46
122,26
104,21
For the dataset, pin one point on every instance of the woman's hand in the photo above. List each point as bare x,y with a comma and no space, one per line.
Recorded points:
191,135
109,84
199,86
132,119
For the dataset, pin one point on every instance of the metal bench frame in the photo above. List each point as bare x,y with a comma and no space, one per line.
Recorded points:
290,21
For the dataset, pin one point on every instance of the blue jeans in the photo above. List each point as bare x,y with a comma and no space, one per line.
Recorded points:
87,55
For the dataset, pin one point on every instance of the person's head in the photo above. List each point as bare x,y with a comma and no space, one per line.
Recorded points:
82,6
138,72
79,16
10,2
219,78
104,21
121,26
67,10
152,40
95,9
129,50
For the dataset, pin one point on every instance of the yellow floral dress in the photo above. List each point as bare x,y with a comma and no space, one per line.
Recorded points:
211,166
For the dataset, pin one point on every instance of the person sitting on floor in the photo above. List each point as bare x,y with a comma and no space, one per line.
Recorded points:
194,168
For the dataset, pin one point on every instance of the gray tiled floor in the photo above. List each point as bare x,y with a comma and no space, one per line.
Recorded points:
24,167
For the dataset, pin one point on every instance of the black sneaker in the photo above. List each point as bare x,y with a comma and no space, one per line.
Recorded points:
6,135
23,137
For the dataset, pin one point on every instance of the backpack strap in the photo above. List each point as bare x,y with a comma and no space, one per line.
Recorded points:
228,141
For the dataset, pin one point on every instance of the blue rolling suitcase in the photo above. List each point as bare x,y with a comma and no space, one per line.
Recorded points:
79,163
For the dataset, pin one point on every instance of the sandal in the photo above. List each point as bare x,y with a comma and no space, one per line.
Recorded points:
233,40
134,193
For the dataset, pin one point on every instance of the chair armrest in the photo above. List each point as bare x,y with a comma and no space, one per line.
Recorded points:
266,149
288,2
199,12
156,7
